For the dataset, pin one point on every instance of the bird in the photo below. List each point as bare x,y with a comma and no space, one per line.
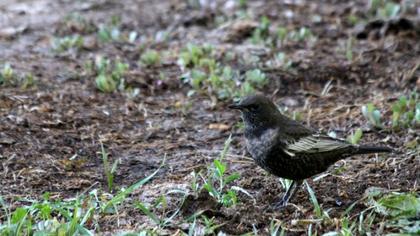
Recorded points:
288,149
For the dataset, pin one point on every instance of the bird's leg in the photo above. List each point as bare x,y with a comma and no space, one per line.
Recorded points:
289,193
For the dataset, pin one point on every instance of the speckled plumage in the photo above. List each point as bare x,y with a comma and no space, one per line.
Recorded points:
288,149
269,150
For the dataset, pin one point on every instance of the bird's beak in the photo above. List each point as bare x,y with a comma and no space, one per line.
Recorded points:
235,106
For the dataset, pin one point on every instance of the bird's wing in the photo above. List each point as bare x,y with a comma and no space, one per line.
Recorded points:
315,143
295,129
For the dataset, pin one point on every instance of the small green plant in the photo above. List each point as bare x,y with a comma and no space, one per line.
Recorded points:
406,111
110,32
67,43
150,58
353,19
399,210
195,185
396,205
28,81
347,228
319,212
351,225
41,217
205,75
262,32
111,205
242,3
191,56
372,115
384,9
132,36
107,33
7,74
256,77
216,181
355,137
253,79
106,83
275,226
390,10
73,216
109,74
195,4
417,114
280,60
302,34
209,225
108,169
227,198
161,222
75,22
374,5
349,49
282,33
197,77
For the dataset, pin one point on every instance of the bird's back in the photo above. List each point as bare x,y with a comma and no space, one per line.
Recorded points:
291,129
293,151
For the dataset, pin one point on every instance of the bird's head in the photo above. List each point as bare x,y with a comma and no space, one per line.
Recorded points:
258,112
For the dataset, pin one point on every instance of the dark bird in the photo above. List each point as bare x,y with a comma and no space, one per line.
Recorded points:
288,149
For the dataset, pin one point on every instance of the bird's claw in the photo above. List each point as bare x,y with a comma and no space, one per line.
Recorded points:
280,204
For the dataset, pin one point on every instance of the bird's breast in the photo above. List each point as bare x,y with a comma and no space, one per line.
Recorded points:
260,145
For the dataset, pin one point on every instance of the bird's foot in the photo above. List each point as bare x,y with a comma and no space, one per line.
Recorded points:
280,204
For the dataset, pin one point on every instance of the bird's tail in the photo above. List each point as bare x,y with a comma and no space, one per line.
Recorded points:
364,149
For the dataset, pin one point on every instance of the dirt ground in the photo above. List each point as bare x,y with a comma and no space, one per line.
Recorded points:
50,133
